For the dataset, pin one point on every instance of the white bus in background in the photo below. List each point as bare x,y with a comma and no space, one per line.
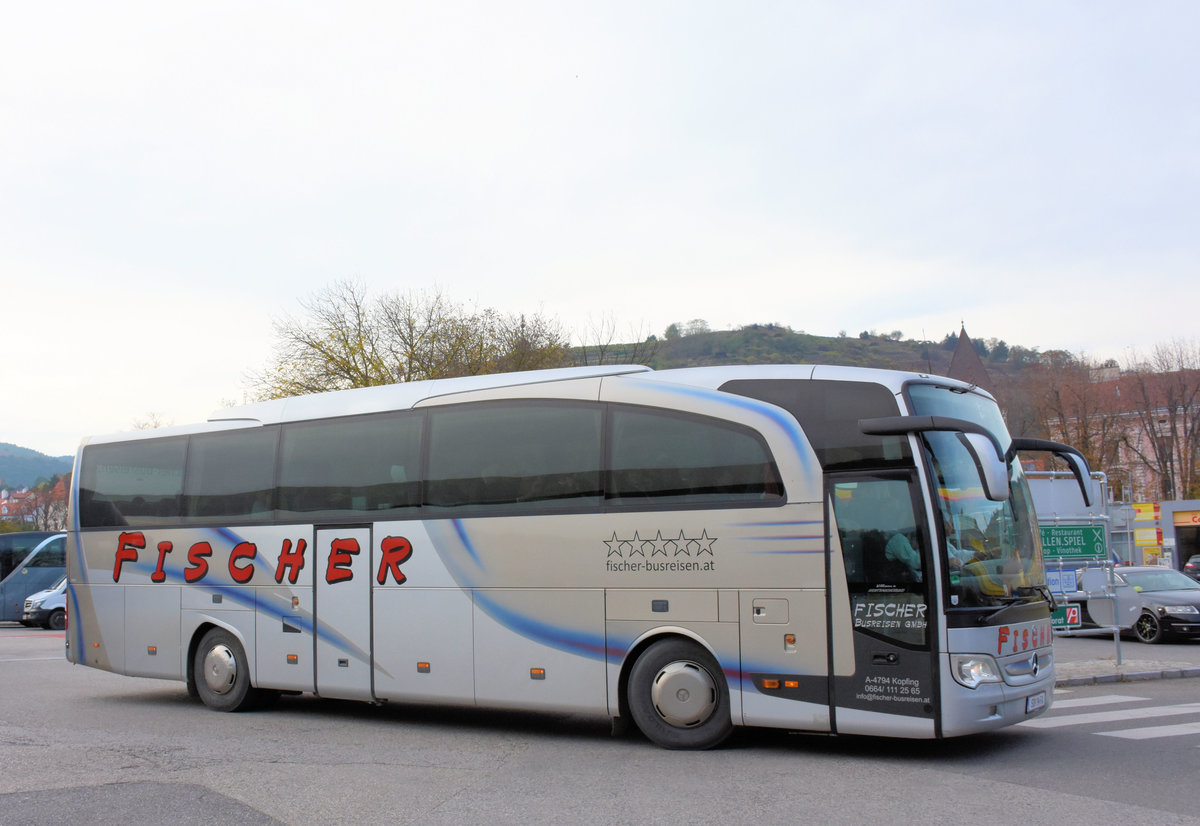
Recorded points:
815,548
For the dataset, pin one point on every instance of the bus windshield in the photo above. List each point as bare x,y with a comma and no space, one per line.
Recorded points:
990,550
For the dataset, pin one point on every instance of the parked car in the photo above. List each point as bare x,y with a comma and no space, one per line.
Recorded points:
1150,602
47,608
1192,567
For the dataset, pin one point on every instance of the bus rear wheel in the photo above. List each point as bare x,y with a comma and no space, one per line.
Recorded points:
221,672
678,697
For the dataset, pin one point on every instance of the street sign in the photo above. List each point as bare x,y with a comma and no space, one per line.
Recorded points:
1074,542
1062,582
1066,615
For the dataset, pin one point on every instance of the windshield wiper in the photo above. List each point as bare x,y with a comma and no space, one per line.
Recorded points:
1041,590
1010,603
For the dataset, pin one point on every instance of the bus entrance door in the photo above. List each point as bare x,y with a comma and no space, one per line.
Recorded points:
343,612
885,679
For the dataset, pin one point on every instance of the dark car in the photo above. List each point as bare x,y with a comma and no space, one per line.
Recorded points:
1153,603
1192,567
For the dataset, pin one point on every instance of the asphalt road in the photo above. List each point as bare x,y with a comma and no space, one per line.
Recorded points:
78,745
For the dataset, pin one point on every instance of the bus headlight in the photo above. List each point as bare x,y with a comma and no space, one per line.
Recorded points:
972,670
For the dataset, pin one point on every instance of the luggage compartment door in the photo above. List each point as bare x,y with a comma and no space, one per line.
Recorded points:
343,612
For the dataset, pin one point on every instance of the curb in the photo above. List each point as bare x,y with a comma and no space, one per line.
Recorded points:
1129,676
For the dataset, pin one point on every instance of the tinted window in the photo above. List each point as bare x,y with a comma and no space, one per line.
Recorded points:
884,553
515,456
232,475
663,458
829,412
15,547
53,555
142,479
341,466
10,558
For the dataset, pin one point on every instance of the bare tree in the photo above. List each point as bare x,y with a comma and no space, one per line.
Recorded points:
348,340
336,346
1164,403
153,421
600,345
1058,398
530,343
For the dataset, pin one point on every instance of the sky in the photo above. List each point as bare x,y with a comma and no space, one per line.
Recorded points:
175,178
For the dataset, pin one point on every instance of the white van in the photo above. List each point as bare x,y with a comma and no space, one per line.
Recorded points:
47,608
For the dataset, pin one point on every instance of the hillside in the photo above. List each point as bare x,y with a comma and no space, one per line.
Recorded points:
773,344
21,467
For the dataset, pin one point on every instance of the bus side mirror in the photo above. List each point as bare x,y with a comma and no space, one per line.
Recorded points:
990,460
993,471
1081,472
1073,458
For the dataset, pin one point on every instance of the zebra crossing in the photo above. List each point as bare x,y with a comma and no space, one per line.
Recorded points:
1119,710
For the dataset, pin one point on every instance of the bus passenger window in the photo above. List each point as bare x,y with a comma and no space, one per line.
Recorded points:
350,465
131,482
515,457
663,458
231,475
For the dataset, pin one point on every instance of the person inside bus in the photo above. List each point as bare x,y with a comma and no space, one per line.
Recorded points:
956,555
876,521
904,556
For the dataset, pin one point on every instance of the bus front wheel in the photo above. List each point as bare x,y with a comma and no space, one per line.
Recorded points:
221,672
678,697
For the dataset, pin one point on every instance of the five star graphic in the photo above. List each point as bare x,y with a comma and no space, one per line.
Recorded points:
682,545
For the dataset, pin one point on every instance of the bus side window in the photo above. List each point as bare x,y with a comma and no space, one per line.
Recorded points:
663,458
353,464
878,532
515,457
231,475
881,550
138,481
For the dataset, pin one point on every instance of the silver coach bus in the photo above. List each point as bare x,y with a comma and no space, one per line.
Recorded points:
815,548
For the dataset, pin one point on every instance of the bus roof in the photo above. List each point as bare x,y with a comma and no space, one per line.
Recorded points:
715,376
406,395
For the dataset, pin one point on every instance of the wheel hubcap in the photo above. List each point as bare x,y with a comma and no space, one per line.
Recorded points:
220,669
684,694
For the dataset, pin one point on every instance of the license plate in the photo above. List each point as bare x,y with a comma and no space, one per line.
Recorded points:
1035,703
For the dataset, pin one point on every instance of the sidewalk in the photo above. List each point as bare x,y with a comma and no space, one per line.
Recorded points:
1088,660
